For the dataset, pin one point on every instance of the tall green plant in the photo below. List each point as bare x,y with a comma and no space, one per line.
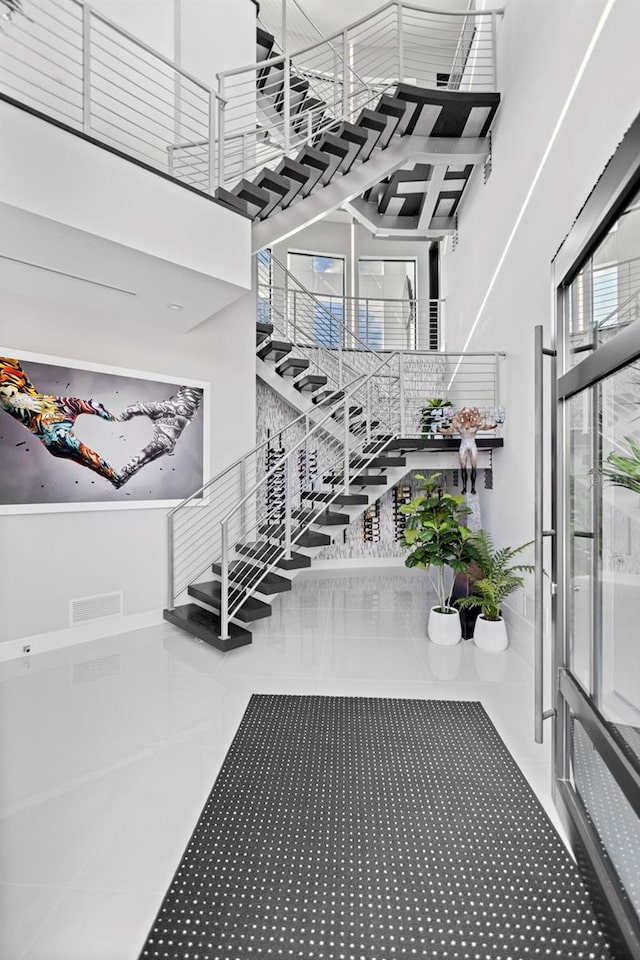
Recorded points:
498,576
436,536
624,471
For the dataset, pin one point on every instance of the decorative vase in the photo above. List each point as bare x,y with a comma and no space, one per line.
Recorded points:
490,635
444,628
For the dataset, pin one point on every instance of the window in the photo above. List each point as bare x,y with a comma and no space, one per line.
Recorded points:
387,303
323,276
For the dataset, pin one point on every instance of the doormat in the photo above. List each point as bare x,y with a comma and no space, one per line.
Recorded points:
350,828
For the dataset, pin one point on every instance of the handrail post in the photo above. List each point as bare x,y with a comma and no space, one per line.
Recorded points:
401,378
400,44
86,68
345,61
224,589
340,364
347,446
287,512
221,119
212,142
287,105
170,567
243,490
369,411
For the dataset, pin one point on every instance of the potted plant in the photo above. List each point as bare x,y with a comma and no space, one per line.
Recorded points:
438,539
436,413
493,580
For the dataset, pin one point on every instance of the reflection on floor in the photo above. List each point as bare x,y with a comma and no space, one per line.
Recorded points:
110,749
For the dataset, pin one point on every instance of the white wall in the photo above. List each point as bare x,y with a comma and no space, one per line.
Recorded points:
152,21
215,36
47,559
541,47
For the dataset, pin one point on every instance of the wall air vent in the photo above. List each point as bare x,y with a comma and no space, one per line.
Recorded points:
91,609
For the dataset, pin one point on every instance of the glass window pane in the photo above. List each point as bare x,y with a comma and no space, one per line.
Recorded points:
387,307
603,593
605,296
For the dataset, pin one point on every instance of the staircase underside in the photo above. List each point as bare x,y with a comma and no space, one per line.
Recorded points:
400,169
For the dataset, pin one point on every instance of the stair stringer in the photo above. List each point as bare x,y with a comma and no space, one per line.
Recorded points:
364,175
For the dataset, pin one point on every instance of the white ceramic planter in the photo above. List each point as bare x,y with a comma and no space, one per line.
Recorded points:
490,635
444,628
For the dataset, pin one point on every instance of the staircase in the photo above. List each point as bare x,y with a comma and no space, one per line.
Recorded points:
329,131
242,539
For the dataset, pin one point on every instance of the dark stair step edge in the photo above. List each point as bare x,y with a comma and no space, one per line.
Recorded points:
205,625
338,152
255,197
277,187
240,572
292,366
210,592
353,412
359,480
310,382
298,90
327,397
275,350
374,126
315,539
311,115
263,330
393,112
267,552
341,499
382,462
299,173
325,519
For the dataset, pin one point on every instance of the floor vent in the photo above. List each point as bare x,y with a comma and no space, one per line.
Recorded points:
90,609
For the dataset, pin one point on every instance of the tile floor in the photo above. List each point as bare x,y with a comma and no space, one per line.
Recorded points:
109,749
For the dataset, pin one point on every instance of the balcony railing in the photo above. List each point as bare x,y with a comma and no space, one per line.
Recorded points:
74,65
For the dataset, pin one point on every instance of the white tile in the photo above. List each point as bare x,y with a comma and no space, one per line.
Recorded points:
110,748
23,910
95,925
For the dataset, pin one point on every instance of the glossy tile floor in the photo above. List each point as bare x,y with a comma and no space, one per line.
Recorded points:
110,748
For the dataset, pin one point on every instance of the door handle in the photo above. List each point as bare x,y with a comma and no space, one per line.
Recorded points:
540,352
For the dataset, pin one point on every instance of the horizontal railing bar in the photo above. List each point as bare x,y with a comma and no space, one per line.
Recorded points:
155,53
175,107
49,46
171,80
110,98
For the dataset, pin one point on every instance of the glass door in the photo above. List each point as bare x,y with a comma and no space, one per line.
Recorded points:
596,535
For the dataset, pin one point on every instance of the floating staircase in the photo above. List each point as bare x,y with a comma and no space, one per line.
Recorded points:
396,154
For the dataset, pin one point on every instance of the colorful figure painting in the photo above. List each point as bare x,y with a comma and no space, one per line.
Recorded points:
150,448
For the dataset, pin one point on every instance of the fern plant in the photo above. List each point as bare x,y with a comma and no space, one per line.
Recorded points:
498,578
624,471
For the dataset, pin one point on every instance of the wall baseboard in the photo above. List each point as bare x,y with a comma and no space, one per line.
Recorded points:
43,642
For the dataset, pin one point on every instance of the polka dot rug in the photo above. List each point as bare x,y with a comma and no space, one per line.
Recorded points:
349,828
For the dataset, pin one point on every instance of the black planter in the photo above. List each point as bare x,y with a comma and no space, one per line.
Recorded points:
462,588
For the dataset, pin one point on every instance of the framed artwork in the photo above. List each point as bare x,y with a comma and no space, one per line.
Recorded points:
83,436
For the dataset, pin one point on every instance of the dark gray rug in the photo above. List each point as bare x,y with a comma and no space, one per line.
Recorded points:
345,828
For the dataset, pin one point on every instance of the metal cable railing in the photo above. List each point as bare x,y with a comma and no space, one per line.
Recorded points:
296,97
70,62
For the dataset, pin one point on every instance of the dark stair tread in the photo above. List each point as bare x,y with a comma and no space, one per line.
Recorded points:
357,140
255,197
210,592
359,480
240,571
277,187
353,412
230,200
375,126
338,152
310,538
325,519
341,499
440,444
275,350
263,330
292,365
205,625
267,552
310,380
359,427
379,462
299,173
327,397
